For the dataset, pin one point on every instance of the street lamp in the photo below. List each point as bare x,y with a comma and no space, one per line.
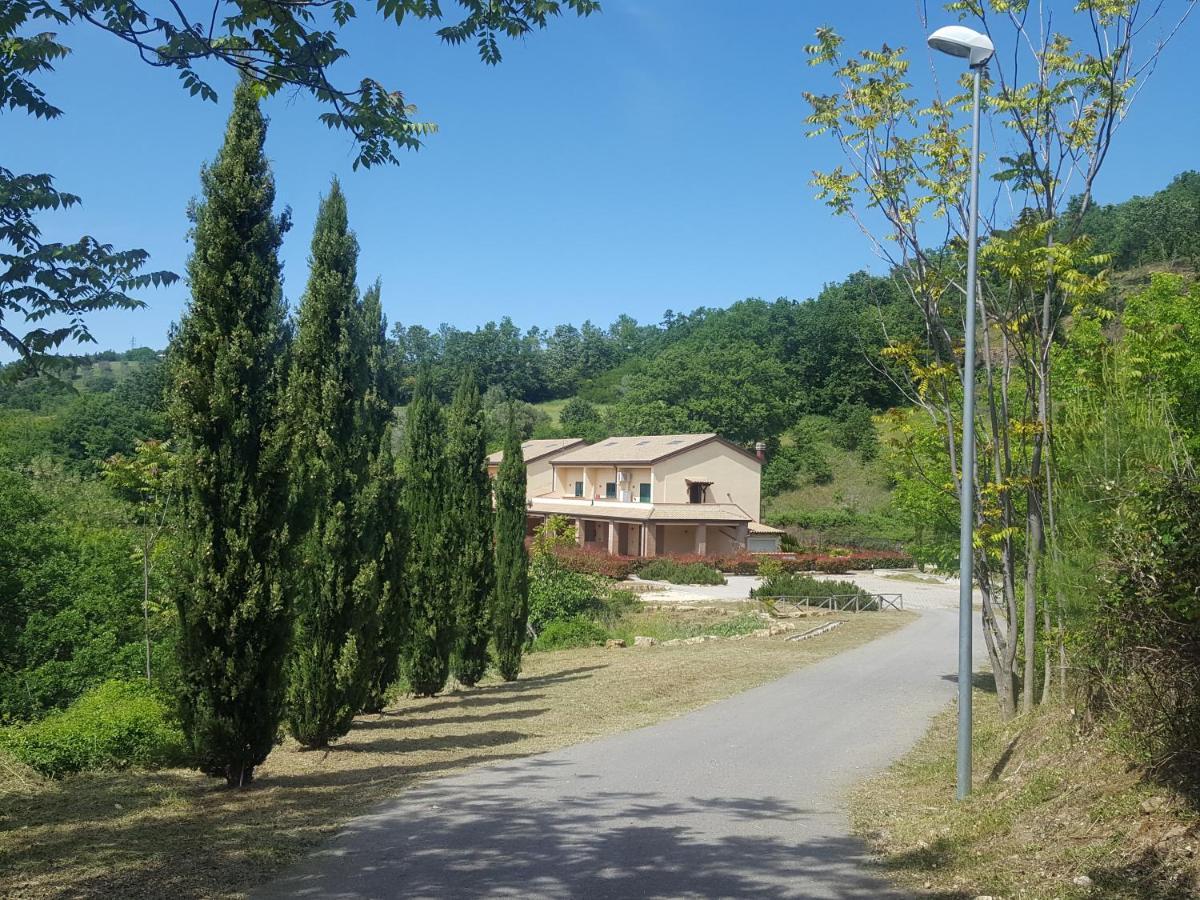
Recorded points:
977,49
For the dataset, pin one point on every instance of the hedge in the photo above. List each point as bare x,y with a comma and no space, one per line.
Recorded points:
833,562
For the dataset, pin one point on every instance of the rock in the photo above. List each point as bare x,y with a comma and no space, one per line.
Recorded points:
642,641
1081,881
614,644
761,632
1152,804
985,897
1177,832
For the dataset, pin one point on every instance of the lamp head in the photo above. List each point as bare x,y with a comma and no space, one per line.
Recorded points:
958,40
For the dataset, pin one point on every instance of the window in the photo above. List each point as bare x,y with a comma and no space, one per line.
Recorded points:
579,489
644,493
610,489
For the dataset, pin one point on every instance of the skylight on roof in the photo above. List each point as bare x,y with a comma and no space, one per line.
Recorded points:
676,441
611,444
641,443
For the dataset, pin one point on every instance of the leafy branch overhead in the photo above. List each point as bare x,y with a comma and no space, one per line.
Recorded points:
278,45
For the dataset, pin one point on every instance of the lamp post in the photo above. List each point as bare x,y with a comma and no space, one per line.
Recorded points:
977,49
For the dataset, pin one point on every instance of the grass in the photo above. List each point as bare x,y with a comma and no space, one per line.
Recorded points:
669,623
175,833
1051,803
858,486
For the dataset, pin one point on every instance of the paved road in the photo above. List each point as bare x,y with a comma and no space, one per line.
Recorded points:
741,798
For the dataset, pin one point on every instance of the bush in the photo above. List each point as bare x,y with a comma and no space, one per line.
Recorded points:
114,726
577,631
790,584
1144,638
556,593
677,572
595,562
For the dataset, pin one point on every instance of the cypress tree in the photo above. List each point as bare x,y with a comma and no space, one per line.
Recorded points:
469,531
382,525
332,445
511,609
228,365
430,617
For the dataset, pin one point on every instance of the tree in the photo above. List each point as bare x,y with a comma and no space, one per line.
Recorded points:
430,616
146,481
469,532
903,178
228,366
580,419
511,611
330,450
278,47
381,526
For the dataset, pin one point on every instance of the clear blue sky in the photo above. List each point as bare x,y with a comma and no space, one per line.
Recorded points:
651,157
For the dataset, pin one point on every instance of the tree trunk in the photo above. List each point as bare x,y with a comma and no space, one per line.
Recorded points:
146,597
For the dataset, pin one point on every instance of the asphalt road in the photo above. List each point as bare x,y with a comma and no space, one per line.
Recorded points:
743,798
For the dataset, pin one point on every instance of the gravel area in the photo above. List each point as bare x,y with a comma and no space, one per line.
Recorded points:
920,590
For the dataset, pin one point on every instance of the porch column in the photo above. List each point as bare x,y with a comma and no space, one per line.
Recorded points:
649,539
579,532
742,533
702,539
612,538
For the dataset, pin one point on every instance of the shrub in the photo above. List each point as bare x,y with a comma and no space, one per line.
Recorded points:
114,726
577,631
595,562
1144,638
790,584
678,572
558,593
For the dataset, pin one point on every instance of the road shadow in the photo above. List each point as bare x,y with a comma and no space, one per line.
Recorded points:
502,838
981,681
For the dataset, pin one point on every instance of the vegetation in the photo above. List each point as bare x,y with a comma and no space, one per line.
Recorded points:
430,615
469,530
228,370
666,569
511,608
113,726
1058,798
331,444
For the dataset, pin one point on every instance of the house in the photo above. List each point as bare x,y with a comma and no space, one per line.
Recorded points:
650,495
539,476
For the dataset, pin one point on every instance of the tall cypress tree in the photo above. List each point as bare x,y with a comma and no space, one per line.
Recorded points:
332,445
228,366
511,605
469,531
430,617
382,525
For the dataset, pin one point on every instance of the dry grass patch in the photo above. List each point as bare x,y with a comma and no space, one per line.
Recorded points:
1050,805
175,833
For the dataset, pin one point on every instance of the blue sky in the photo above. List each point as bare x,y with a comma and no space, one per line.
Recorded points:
649,158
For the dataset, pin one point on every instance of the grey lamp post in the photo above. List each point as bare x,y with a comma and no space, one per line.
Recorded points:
977,49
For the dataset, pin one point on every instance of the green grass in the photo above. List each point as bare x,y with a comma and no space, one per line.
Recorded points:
857,486
554,408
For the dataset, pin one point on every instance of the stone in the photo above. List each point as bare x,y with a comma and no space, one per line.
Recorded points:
614,644
1152,804
642,641
1081,881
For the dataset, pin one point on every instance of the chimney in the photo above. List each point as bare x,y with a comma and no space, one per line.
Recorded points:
760,450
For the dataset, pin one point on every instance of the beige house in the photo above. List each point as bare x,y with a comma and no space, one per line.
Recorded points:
650,495
539,476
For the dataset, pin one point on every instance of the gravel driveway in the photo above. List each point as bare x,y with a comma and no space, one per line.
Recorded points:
920,591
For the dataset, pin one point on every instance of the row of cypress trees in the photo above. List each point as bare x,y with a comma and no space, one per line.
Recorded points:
317,570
